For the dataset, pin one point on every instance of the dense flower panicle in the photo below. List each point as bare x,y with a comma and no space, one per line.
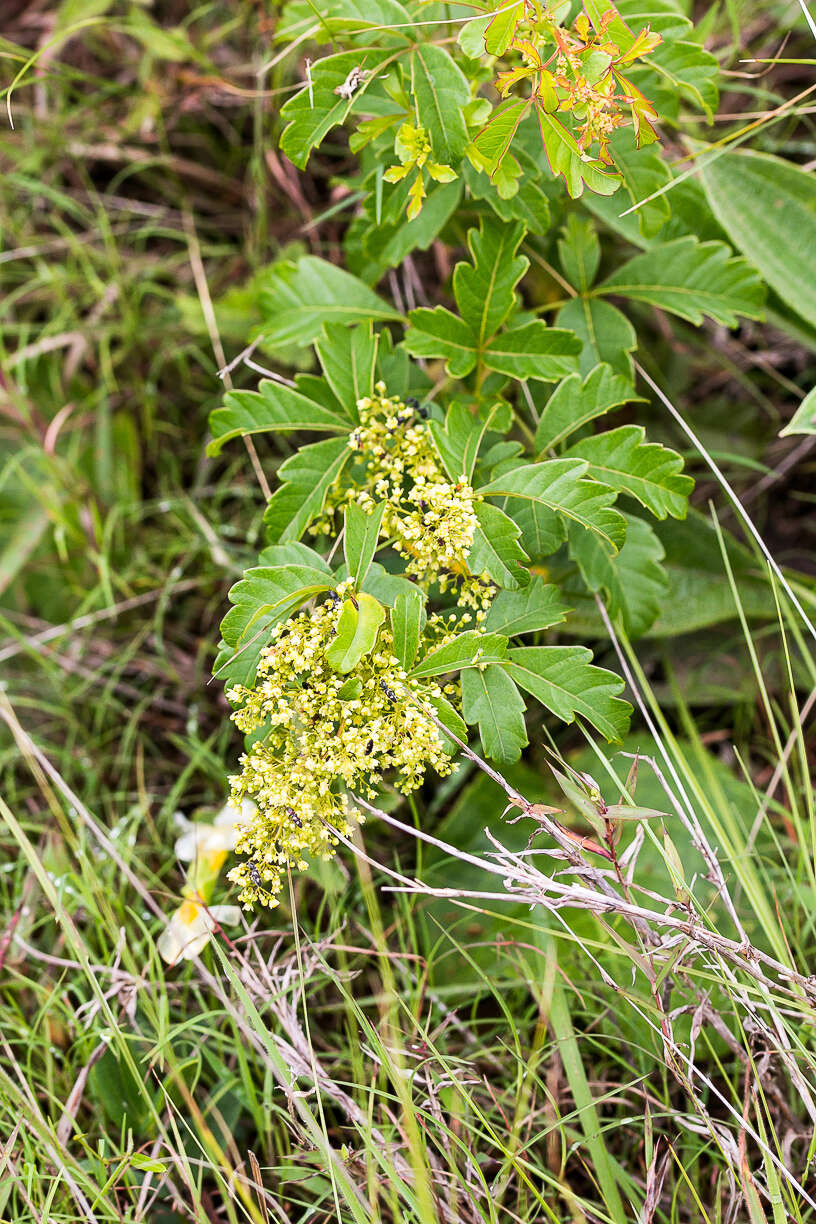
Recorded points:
321,734
430,519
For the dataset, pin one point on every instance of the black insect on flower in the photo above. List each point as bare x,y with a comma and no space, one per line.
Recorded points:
369,748
254,874
332,597
293,816
412,403
390,694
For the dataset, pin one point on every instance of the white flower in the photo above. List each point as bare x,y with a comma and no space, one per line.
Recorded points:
199,838
189,929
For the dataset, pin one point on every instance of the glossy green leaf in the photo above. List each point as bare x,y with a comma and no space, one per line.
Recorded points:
440,333
645,470
565,158
574,404
539,606
559,486
564,680
499,34
357,630
272,407
469,649
691,279
348,357
300,298
406,622
496,136
767,206
496,550
606,334
440,91
491,699
485,288
362,532
633,581
306,478
803,420
312,113
533,350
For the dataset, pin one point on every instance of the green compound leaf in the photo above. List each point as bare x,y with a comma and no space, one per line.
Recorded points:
406,622
360,540
645,470
752,195
537,607
306,478
300,298
491,699
496,550
270,408
348,357
485,289
467,650
634,581
606,333
441,91
691,279
357,631
558,486
574,404
564,680
313,112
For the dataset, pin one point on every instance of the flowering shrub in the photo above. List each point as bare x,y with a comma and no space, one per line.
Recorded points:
464,464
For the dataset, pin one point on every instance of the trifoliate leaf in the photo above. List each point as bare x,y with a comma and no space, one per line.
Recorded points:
357,630
469,649
564,680
574,404
270,408
558,485
362,532
634,581
538,606
645,470
691,279
306,478
491,699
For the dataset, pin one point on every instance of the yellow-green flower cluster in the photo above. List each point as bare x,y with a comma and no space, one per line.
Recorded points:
429,518
322,734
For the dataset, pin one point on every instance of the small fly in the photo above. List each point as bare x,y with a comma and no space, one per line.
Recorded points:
254,874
